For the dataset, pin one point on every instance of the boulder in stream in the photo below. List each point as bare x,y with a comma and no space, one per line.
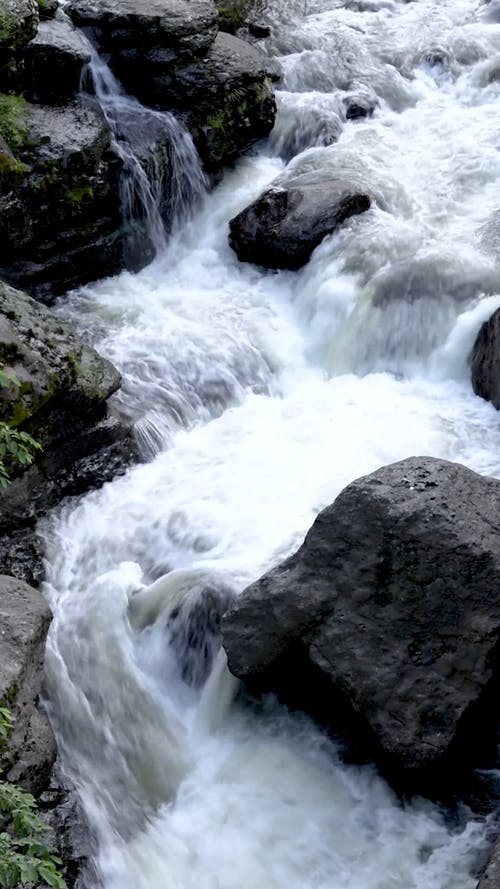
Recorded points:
284,225
385,624
485,361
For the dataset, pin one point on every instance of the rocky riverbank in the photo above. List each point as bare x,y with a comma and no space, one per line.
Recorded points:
63,222
61,204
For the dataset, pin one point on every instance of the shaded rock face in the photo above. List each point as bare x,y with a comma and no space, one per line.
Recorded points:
388,617
485,361
60,218
284,225
62,402
54,62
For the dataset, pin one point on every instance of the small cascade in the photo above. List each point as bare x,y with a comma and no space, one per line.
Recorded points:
162,178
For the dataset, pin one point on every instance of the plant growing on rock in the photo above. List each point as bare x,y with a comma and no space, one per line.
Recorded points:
25,855
16,447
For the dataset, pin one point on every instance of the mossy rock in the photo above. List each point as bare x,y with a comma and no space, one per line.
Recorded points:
47,8
49,361
60,222
18,24
232,15
13,121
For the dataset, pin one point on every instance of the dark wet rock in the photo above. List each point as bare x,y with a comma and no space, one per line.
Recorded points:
285,224
194,628
359,105
60,216
485,361
62,402
70,832
259,29
225,98
184,28
388,618
47,8
54,62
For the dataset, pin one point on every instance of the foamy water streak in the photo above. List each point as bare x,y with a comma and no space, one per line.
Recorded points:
261,395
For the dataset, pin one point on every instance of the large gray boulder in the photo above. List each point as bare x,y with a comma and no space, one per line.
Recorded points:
284,225
61,400
388,617
485,361
181,28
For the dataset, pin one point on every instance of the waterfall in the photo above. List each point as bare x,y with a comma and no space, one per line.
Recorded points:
162,179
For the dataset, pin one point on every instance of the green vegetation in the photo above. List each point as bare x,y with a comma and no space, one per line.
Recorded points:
80,194
231,14
13,127
25,856
16,448
8,26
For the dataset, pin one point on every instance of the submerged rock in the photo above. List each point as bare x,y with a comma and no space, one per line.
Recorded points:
485,361
283,226
386,622
61,400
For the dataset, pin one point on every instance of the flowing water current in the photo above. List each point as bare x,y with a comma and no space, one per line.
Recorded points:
256,397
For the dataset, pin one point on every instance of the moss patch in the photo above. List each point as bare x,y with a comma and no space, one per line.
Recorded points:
80,194
13,125
231,14
17,30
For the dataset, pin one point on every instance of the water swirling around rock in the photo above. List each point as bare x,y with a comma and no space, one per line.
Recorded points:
257,397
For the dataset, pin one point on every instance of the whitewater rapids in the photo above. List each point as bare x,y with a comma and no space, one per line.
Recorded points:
256,397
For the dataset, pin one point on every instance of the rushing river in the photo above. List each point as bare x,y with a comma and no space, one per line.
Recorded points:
257,396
